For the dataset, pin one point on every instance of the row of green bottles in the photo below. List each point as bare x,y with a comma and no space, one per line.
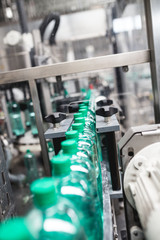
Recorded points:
72,184
68,206
53,217
56,217
77,173
85,125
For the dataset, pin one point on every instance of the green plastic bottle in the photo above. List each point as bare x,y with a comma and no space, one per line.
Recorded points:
88,128
56,217
75,188
86,103
86,137
79,156
82,104
83,107
33,120
83,143
31,166
89,118
77,115
16,121
15,229
83,149
80,120
80,161
83,111
73,134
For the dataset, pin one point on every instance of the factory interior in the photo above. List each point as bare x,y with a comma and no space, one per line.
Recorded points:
79,119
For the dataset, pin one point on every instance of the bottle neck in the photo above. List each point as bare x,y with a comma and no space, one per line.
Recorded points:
60,175
48,207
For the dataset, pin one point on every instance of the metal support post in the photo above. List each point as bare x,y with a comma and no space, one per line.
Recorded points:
111,145
7,205
39,122
59,84
153,22
22,16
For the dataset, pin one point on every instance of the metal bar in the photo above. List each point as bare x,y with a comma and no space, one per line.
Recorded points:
22,15
7,119
59,84
7,204
84,65
103,127
37,110
153,22
113,160
59,132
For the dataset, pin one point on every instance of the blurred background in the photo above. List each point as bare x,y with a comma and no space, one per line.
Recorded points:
34,33
81,29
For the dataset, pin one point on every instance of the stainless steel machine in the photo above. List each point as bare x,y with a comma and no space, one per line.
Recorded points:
130,174
139,151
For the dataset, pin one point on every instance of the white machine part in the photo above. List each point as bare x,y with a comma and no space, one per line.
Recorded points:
142,188
17,50
12,38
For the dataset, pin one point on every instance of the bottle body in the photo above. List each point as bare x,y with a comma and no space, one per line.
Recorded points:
59,221
15,118
31,166
33,120
33,124
76,189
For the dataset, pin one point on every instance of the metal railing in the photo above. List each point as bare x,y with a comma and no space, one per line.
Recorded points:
66,68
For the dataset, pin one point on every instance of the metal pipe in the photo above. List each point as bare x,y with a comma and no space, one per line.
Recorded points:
153,22
22,16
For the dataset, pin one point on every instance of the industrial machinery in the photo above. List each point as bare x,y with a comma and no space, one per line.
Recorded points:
39,94
139,150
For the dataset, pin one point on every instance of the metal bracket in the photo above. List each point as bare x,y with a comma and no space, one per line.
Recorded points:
108,129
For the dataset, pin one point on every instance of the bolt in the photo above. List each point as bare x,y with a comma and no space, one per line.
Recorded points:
136,234
120,169
107,119
116,235
56,125
149,174
3,212
140,164
125,68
